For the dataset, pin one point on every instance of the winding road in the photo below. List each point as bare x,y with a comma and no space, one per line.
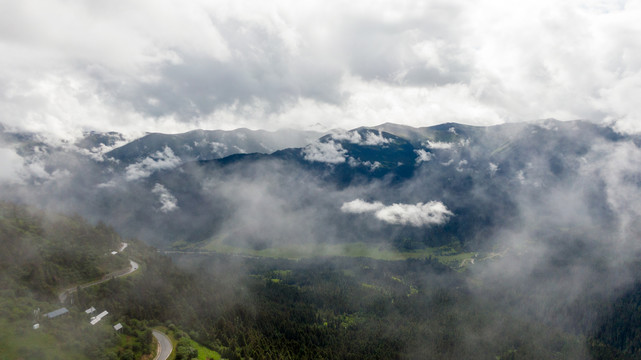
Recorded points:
133,266
164,346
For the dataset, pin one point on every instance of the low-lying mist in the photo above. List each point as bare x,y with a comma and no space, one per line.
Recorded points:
550,211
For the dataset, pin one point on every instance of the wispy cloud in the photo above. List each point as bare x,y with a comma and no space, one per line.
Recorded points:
438,145
163,66
422,156
168,202
420,214
353,136
371,138
493,168
161,160
375,139
11,164
359,206
327,152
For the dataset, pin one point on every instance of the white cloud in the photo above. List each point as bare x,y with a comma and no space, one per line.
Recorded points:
438,145
168,67
461,165
359,206
108,184
20,168
420,214
375,139
357,162
168,202
327,152
161,160
218,147
372,165
351,136
493,168
12,166
98,153
372,138
422,156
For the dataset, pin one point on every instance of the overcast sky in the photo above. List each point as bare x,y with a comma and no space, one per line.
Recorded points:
170,66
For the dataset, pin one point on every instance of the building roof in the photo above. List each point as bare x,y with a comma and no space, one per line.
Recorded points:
118,326
90,310
95,319
57,313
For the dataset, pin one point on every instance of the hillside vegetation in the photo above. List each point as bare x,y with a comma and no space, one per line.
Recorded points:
239,307
41,255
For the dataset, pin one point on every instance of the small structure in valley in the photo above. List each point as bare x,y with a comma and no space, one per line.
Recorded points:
91,310
97,318
56,313
118,326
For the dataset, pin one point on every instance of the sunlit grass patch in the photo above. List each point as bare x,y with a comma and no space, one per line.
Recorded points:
444,254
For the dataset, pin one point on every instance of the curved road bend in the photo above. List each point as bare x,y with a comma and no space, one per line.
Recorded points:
164,346
133,267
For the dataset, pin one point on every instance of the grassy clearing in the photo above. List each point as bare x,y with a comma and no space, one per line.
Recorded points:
350,320
19,340
204,353
67,337
379,289
412,289
282,273
444,254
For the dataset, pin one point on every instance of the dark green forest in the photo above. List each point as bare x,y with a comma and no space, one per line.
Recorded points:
260,308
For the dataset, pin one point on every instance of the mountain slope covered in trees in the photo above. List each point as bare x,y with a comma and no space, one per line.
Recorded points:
263,308
467,239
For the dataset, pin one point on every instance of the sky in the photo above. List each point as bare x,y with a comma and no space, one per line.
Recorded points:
70,66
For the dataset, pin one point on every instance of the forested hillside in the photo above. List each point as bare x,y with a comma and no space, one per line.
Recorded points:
263,308
42,254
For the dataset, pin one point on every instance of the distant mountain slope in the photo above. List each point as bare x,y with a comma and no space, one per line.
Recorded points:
93,139
444,132
214,144
45,252
545,214
484,179
481,174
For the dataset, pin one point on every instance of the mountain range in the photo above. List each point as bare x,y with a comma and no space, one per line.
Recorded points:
540,219
212,144
449,183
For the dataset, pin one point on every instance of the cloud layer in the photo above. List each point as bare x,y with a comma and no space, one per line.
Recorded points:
371,138
161,160
420,214
164,66
327,152
168,202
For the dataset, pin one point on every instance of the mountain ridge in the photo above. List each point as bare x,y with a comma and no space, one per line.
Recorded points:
480,174
201,144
